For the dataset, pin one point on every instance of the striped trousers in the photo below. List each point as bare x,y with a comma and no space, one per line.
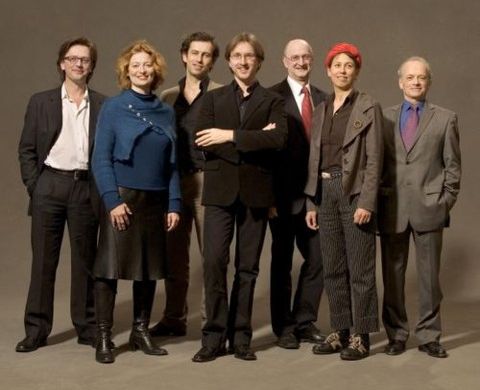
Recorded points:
348,252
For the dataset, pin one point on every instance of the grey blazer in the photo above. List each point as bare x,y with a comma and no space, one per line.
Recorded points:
362,153
420,186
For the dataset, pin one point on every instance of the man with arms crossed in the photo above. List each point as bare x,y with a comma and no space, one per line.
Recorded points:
240,127
297,323
54,153
420,184
199,52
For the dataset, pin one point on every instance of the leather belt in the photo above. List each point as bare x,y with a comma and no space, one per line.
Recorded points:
75,174
330,175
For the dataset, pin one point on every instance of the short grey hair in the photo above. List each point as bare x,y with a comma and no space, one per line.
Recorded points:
418,59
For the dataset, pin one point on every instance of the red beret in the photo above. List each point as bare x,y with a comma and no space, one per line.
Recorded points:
344,47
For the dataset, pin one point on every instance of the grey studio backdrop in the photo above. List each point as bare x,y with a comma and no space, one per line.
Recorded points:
446,32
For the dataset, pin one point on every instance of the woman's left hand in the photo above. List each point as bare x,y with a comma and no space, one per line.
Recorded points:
361,216
172,221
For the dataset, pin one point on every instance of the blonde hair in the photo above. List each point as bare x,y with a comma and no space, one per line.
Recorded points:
123,61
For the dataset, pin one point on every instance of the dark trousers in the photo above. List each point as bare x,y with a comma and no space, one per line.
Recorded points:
286,230
223,320
428,247
348,253
57,200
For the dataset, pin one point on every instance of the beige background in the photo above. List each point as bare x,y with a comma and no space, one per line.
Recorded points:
446,32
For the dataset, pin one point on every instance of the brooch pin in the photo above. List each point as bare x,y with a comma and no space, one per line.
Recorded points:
357,124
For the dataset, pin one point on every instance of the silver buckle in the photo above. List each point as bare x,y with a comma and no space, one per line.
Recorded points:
326,175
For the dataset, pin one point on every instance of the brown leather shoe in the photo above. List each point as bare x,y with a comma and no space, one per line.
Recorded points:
244,352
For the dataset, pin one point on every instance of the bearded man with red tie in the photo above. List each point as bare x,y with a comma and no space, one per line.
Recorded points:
420,184
292,324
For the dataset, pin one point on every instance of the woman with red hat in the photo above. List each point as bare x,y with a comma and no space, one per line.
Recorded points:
344,173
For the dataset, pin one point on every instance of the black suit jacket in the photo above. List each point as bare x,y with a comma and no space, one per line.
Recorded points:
291,167
242,169
43,122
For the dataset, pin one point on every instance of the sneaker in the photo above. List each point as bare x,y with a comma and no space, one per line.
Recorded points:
358,347
334,342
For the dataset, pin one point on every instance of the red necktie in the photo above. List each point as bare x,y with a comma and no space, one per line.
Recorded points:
307,112
410,127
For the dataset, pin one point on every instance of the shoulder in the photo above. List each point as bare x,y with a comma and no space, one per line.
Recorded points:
213,85
281,87
169,95
47,95
96,96
440,110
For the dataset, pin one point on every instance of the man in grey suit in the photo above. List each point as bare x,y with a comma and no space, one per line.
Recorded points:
420,184
199,52
54,153
295,323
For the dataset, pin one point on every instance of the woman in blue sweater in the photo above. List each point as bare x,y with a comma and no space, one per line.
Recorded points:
134,165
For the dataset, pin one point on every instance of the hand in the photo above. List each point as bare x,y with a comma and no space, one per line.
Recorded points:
213,136
361,216
311,220
270,126
172,221
119,217
272,212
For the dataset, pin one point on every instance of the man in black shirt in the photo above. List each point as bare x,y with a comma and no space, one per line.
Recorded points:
198,52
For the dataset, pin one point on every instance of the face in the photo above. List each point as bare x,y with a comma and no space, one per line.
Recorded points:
342,72
298,60
77,64
244,63
141,72
414,81
198,59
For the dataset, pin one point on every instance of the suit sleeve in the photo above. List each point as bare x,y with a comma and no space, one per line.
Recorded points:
374,149
253,140
452,162
27,148
206,120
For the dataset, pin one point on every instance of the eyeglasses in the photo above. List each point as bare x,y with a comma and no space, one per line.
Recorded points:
237,57
297,58
74,59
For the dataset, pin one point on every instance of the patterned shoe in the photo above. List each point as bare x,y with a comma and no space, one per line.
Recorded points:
358,347
334,342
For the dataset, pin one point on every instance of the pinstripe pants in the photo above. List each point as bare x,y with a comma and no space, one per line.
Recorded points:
348,253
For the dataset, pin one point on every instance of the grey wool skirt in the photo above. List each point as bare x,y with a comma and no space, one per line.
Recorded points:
138,253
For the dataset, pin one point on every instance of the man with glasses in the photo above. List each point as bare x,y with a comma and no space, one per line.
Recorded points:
54,153
241,126
296,323
198,51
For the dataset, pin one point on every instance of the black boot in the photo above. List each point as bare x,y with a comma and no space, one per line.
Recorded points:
105,291
143,293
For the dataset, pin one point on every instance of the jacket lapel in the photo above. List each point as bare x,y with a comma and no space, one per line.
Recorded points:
357,121
95,105
54,117
254,103
425,118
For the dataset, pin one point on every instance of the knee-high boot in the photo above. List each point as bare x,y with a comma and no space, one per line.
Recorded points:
143,294
105,291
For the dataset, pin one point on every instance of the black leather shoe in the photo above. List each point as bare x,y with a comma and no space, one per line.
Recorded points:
434,349
309,334
288,341
358,348
86,341
162,329
244,352
29,344
335,342
395,347
207,354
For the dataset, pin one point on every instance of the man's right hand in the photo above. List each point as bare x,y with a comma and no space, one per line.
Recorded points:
311,220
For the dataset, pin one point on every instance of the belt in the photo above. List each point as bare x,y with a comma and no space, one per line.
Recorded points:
75,174
330,175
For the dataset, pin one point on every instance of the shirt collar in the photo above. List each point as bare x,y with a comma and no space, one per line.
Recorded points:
203,84
296,87
64,93
406,105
